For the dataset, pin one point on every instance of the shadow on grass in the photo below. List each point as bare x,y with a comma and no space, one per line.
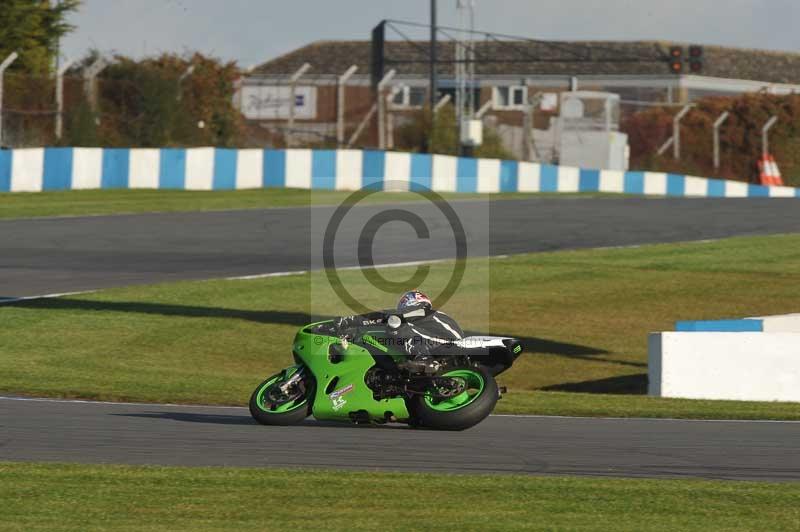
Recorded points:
622,385
537,346
259,316
628,384
532,345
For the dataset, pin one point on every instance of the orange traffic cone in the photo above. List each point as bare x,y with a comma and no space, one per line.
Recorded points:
768,170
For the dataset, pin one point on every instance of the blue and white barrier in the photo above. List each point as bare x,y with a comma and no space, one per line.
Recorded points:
751,359
38,169
784,323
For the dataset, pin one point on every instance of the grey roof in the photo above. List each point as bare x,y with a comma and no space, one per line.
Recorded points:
530,58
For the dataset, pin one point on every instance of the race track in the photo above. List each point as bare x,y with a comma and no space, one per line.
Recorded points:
44,430
41,256
56,255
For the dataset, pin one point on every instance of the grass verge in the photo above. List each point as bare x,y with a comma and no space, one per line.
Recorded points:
117,498
94,202
583,317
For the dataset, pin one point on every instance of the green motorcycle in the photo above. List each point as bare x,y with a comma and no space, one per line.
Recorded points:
367,379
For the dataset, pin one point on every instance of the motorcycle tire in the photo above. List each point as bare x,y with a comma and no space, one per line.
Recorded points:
289,413
463,411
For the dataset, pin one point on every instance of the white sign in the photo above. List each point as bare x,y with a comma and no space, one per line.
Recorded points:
270,102
549,101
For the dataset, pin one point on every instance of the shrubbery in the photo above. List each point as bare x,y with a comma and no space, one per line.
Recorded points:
740,137
440,135
145,104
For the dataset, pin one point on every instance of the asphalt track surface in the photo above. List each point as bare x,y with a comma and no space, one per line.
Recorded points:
44,430
56,255
41,256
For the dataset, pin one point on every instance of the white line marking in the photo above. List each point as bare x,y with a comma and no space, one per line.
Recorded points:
531,416
613,418
343,268
113,403
44,296
264,275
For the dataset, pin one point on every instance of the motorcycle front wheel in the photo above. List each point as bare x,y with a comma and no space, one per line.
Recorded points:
272,405
460,411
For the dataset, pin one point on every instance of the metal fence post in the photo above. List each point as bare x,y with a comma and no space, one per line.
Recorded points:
441,103
60,97
676,131
188,72
382,108
90,78
293,100
3,66
717,124
390,118
765,136
340,94
485,108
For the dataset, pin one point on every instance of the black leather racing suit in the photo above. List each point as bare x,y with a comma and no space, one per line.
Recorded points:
420,333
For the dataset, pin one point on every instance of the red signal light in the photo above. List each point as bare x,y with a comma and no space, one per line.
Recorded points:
676,51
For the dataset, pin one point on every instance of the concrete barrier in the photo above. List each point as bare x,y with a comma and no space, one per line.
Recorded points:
752,359
42,169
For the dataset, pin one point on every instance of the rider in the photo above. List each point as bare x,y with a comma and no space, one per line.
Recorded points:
423,328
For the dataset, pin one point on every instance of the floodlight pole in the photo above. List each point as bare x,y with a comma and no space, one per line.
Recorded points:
765,135
293,100
340,94
62,69
432,65
3,66
676,131
717,124
382,108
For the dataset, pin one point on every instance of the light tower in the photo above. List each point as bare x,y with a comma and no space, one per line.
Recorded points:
469,133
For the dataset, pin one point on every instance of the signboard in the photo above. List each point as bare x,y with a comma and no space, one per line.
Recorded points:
271,102
549,101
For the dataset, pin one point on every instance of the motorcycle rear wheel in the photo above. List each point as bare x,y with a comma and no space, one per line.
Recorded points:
269,406
461,411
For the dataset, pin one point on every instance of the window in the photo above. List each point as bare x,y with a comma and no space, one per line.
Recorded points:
510,97
417,96
410,97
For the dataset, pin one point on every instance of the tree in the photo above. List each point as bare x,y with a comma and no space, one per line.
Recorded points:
147,103
33,28
440,135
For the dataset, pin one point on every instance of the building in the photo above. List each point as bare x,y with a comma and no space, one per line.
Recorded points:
506,73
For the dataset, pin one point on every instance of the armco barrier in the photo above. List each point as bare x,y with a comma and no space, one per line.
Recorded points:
753,359
37,169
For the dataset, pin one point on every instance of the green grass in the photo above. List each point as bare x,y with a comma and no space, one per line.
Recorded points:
93,202
583,316
56,497
611,405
